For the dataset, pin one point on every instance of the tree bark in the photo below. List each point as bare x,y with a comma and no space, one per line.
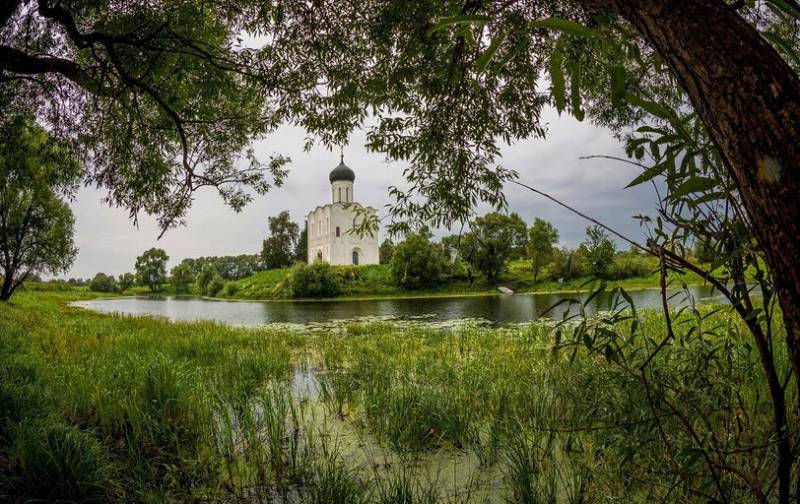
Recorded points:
7,288
749,99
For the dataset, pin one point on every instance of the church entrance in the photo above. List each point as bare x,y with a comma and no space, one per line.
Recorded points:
355,257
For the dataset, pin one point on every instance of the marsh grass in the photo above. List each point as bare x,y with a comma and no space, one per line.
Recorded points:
103,407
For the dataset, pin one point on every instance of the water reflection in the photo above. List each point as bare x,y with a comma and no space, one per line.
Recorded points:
500,309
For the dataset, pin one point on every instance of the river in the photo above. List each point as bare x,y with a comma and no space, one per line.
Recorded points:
496,310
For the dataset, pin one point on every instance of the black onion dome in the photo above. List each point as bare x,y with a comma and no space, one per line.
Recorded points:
342,172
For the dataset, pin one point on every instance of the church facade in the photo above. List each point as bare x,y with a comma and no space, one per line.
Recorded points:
328,226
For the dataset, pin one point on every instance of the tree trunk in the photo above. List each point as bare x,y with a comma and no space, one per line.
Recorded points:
749,99
7,288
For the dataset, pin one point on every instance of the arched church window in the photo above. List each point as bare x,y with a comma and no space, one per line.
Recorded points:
347,193
337,232
355,257
319,255
340,195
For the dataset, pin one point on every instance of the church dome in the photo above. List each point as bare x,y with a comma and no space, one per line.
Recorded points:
342,172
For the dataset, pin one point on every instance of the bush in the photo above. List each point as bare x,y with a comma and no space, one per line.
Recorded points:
417,263
315,280
631,265
215,286
569,264
231,288
102,283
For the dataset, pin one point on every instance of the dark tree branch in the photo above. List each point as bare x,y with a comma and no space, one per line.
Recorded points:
7,9
16,61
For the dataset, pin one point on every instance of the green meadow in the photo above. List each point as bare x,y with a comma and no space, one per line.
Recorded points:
100,407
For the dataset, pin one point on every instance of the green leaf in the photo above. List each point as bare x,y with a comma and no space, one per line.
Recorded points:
650,107
782,45
565,26
648,174
785,7
446,22
557,78
487,55
693,185
617,85
575,91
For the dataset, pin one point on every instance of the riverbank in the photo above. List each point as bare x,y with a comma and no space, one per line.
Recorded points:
373,282
119,408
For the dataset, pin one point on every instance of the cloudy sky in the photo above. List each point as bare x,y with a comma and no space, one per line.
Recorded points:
109,242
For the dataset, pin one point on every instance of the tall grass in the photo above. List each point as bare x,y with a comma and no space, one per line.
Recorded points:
99,407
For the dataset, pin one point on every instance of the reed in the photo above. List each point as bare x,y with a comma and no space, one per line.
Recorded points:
101,407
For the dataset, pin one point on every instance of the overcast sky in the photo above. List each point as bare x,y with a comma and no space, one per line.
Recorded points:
109,242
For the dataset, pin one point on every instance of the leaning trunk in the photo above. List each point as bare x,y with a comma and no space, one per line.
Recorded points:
749,99
7,288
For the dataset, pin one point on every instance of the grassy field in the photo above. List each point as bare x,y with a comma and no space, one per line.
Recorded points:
97,407
374,281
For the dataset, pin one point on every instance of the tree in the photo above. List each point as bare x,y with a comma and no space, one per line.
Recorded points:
208,273
126,281
386,251
418,263
278,250
301,250
215,285
36,225
315,280
102,283
519,236
151,268
466,247
599,250
166,100
495,239
228,267
541,237
182,277
569,264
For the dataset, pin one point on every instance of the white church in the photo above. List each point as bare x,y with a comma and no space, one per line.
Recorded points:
329,236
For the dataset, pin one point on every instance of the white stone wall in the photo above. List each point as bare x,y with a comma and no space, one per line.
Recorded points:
324,243
342,192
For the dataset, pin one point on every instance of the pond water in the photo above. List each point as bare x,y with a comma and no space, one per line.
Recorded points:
496,310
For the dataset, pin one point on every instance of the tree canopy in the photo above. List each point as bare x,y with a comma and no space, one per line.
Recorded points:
279,249
151,268
495,238
542,236
37,173
162,98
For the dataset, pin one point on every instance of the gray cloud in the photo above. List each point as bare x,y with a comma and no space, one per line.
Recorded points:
109,242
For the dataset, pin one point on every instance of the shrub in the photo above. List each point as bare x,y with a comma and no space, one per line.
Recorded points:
569,264
215,286
417,263
231,288
315,280
628,265
102,283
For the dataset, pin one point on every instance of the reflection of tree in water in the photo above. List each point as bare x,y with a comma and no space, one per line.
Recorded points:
500,309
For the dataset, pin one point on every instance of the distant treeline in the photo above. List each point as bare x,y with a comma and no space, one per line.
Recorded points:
228,267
